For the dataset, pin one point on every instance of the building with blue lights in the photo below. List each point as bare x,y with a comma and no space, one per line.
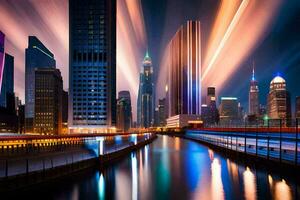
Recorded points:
36,56
145,104
92,66
184,64
7,97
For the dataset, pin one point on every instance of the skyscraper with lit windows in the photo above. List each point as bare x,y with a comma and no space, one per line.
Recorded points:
92,60
253,96
145,104
279,102
36,56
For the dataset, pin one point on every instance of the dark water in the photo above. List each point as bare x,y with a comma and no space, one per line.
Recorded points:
173,168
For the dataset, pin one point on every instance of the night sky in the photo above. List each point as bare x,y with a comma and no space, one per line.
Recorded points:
277,52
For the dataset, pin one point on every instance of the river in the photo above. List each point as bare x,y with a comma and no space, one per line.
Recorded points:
172,168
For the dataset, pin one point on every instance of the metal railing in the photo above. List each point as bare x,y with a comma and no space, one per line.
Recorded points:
280,143
44,153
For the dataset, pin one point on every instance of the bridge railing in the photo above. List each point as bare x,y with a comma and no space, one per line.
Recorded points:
273,143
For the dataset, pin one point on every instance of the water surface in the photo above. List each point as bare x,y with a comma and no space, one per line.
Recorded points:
173,168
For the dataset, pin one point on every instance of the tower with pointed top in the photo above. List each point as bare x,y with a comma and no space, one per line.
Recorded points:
253,96
145,104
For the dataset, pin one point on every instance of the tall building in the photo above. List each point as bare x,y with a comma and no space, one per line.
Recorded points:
253,96
124,111
36,56
162,114
184,63
279,102
229,110
48,101
297,107
209,111
2,56
145,104
7,97
65,103
92,86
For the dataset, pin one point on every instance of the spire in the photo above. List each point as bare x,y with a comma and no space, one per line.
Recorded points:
253,73
147,55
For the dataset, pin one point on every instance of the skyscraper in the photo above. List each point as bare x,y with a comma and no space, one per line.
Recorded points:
36,56
92,86
253,96
2,41
161,115
209,111
7,97
297,113
124,111
145,107
279,102
229,110
48,101
184,63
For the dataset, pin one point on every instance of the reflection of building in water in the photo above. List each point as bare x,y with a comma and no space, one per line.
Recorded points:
134,177
217,192
211,154
249,185
279,189
177,143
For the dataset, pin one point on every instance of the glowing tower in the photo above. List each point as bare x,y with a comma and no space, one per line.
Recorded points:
184,94
253,96
145,107
279,102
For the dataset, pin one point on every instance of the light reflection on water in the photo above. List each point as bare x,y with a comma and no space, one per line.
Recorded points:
174,168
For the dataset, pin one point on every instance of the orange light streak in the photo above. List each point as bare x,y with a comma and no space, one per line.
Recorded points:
131,45
247,28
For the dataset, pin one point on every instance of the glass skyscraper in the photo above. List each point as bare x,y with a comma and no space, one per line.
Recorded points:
184,63
36,56
7,86
92,59
2,40
145,107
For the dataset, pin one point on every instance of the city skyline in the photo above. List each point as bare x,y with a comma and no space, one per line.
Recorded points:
274,43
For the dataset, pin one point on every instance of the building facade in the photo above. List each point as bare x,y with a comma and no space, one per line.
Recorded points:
229,111
279,102
297,108
65,103
7,97
184,64
209,111
36,56
145,104
253,96
92,86
2,56
48,101
124,111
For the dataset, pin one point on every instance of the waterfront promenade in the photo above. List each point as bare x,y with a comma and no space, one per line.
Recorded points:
22,155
